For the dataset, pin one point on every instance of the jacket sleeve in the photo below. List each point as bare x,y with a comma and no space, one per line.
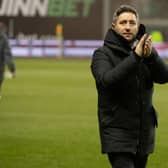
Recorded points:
158,68
8,55
106,73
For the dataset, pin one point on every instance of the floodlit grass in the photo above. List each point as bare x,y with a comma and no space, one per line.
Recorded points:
48,117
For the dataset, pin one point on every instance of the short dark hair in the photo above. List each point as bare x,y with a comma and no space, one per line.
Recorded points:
125,8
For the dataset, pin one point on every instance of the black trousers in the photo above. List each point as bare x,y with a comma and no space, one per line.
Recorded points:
127,160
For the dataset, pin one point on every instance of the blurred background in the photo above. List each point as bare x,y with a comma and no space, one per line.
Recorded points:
73,28
48,112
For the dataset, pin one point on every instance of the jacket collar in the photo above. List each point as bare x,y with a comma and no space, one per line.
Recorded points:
116,41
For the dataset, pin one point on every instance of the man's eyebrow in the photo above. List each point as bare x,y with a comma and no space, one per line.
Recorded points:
128,20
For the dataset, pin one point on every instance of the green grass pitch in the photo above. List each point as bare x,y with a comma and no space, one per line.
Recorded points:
48,117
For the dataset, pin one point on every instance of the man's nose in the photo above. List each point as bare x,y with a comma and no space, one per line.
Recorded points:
127,26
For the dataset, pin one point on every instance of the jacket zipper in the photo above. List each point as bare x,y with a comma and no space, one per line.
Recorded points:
140,105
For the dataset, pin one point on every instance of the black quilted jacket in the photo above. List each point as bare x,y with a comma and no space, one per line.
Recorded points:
127,118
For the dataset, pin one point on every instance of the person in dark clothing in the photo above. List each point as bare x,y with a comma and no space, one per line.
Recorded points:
125,69
5,55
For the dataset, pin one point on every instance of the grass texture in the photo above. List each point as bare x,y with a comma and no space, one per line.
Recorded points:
48,117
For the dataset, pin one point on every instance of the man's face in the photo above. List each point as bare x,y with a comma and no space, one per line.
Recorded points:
126,25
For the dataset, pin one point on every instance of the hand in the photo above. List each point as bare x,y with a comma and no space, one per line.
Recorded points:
139,48
144,47
147,47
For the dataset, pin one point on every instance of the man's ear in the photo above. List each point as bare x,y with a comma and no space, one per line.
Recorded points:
113,25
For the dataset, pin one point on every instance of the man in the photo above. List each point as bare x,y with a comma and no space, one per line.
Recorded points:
125,68
5,55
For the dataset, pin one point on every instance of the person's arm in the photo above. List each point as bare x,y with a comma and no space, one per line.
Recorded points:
8,57
105,73
158,68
